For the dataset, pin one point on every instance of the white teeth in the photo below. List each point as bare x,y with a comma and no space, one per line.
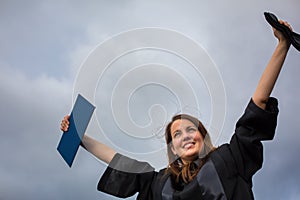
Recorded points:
188,145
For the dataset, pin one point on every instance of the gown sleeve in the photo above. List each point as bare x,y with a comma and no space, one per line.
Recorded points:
254,126
124,177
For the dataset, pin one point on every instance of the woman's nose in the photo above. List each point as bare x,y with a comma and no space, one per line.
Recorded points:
186,136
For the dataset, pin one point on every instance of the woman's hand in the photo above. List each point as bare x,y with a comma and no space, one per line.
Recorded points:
64,126
281,38
101,151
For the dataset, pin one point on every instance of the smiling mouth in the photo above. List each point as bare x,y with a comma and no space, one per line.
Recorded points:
188,145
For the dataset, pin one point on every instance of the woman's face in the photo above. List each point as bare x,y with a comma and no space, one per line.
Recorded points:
187,141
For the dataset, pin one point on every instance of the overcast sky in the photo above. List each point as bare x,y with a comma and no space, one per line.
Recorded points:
45,45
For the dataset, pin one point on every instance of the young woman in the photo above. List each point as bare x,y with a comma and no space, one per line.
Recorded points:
196,169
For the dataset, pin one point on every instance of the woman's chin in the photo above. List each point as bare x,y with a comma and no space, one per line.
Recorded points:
190,156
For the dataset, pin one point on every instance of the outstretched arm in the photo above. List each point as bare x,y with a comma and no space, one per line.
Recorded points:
271,73
99,150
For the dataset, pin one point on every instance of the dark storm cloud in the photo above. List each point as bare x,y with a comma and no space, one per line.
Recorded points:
43,44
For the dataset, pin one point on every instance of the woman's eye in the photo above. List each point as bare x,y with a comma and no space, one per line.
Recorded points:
191,129
176,134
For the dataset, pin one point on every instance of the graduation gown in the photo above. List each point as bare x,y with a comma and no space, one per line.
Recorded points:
227,174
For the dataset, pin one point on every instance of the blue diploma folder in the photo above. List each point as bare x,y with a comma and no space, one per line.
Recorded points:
79,119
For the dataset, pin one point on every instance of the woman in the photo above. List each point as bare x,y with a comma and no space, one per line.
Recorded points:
196,169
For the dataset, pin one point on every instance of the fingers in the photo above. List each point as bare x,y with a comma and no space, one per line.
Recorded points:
67,117
286,24
280,36
65,123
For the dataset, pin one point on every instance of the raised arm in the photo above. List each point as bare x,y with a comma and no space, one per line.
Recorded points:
99,150
271,73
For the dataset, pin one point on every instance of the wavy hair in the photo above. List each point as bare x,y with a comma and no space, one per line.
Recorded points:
186,172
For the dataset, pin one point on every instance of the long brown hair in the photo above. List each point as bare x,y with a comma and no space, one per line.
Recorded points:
178,170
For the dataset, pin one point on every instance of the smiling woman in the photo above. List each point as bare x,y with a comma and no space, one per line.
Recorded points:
196,169
187,141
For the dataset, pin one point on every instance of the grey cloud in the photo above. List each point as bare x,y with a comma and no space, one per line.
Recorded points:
44,43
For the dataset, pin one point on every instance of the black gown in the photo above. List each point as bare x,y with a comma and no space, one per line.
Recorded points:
227,174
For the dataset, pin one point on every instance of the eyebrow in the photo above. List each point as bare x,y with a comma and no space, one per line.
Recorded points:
190,126
177,130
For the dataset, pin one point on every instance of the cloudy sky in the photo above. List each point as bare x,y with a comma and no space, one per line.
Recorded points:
45,46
